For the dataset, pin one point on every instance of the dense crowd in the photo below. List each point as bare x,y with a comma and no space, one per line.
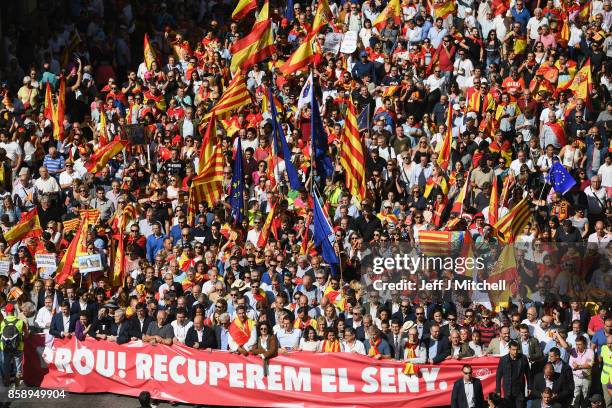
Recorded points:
504,71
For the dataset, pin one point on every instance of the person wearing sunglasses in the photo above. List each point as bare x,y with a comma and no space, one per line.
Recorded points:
467,390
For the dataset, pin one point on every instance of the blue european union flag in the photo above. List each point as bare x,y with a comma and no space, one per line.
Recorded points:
237,192
324,236
560,179
324,165
363,120
281,147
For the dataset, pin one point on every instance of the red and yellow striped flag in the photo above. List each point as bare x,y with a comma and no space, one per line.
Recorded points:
59,111
257,46
457,208
435,243
582,84
207,186
390,90
119,262
27,227
352,154
99,159
322,17
494,203
584,13
262,241
512,224
68,265
444,8
49,108
393,10
445,149
149,52
235,96
208,143
267,107
243,8
300,58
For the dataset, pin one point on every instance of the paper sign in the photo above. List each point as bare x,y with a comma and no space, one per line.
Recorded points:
5,267
332,42
349,42
90,263
46,261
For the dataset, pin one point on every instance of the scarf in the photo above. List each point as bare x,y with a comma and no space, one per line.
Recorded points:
410,352
373,351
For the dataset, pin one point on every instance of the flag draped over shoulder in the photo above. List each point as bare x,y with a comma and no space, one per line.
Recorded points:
99,159
352,154
391,11
28,227
512,224
243,8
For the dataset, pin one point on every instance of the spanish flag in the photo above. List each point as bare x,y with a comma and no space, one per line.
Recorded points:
49,108
444,8
60,109
512,224
582,84
390,90
243,8
99,159
352,154
257,46
520,44
564,35
431,183
494,203
102,134
457,208
393,10
267,107
504,270
299,59
322,17
149,52
68,265
262,241
445,148
119,262
585,11
27,227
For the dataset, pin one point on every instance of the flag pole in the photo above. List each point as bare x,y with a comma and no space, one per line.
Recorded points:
312,152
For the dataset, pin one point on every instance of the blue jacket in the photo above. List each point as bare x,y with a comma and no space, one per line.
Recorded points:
154,245
175,233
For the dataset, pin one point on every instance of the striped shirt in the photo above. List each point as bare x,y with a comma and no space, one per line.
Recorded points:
54,164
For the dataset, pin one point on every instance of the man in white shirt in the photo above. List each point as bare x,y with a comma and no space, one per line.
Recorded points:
180,326
44,315
46,184
596,196
350,344
288,337
600,237
605,172
521,159
535,23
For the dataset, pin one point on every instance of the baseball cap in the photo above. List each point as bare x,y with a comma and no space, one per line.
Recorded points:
9,308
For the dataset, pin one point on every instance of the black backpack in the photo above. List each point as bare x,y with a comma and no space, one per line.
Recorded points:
10,335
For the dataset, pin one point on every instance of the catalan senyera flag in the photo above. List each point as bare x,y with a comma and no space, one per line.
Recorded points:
582,85
352,154
435,243
119,262
208,185
243,8
27,227
323,16
68,265
99,159
512,224
235,96
392,10
444,8
149,52
255,47
208,143
494,203
262,241
300,58
504,270
445,149
508,181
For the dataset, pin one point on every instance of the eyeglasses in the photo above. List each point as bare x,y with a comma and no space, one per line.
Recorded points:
467,372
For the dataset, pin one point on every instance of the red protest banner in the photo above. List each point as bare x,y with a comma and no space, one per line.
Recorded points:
187,375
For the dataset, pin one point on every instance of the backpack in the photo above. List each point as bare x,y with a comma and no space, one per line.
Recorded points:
10,335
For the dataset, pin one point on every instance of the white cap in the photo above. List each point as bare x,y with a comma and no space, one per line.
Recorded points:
456,107
27,79
472,115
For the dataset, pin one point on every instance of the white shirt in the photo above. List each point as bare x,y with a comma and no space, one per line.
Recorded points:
596,199
469,394
515,166
12,150
180,332
356,347
43,319
532,26
47,186
289,340
605,172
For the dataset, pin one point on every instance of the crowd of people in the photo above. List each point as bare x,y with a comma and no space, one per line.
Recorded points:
497,78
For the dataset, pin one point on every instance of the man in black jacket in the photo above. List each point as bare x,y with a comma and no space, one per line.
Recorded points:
200,336
437,347
546,379
566,377
512,375
120,329
467,391
139,323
